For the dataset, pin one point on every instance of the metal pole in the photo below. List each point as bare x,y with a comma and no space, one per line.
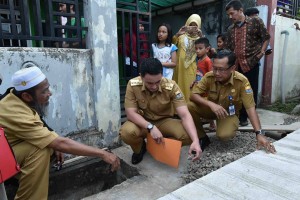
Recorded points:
283,64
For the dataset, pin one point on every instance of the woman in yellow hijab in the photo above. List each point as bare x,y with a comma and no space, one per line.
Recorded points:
185,71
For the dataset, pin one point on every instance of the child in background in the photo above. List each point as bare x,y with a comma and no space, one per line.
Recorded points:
221,39
204,65
203,62
164,50
131,59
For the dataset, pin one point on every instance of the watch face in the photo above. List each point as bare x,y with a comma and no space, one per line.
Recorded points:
260,132
150,126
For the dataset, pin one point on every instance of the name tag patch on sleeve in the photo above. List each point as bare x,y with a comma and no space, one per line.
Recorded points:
248,90
178,95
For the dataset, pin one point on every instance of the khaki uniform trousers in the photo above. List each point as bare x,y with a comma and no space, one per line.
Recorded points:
226,128
34,176
133,135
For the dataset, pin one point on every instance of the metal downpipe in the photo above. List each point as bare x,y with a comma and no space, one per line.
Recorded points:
283,64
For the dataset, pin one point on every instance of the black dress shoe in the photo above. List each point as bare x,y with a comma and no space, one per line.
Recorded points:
138,157
204,142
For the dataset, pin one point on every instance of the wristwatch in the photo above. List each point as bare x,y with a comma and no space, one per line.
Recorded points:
260,132
150,127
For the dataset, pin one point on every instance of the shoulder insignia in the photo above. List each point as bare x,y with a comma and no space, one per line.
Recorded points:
169,86
135,82
248,89
178,94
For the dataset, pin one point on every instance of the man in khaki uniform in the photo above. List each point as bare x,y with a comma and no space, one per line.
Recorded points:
33,142
226,91
150,105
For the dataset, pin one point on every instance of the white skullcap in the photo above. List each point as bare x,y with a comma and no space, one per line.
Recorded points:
27,78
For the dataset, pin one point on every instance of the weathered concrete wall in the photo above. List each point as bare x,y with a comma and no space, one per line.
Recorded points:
213,16
292,62
210,21
84,83
102,39
70,76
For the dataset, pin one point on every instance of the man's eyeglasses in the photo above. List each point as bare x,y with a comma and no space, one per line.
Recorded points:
221,70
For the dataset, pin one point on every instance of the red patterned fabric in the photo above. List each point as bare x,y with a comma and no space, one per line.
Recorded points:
246,41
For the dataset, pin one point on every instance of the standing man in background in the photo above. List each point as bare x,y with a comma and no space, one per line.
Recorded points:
248,38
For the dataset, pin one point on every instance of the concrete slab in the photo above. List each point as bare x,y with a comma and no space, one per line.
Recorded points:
156,179
268,117
272,121
256,176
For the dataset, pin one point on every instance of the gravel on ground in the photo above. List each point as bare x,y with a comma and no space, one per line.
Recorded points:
219,154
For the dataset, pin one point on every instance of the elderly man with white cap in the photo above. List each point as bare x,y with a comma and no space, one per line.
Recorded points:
33,142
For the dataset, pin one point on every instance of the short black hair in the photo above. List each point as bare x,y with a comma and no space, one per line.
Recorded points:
251,11
227,53
235,4
151,66
223,36
170,35
204,41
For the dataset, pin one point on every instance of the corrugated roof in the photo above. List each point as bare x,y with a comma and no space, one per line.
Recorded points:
155,4
158,4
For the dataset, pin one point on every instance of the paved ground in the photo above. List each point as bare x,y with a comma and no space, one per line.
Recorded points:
256,176
156,179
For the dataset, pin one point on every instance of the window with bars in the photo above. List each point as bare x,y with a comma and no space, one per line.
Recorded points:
42,23
289,8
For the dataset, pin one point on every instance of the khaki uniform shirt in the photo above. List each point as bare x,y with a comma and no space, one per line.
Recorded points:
158,105
23,123
237,86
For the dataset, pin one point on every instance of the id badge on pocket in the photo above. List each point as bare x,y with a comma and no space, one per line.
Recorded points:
231,110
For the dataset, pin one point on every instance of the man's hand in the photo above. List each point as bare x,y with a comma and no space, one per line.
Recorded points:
195,147
59,157
157,135
219,111
112,159
260,55
263,142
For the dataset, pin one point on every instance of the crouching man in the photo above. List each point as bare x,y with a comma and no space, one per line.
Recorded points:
150,105
226,91
21,112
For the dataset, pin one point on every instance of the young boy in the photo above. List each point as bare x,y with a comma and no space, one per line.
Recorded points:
204,65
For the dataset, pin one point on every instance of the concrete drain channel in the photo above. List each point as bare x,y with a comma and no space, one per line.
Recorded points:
82,178
85,177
